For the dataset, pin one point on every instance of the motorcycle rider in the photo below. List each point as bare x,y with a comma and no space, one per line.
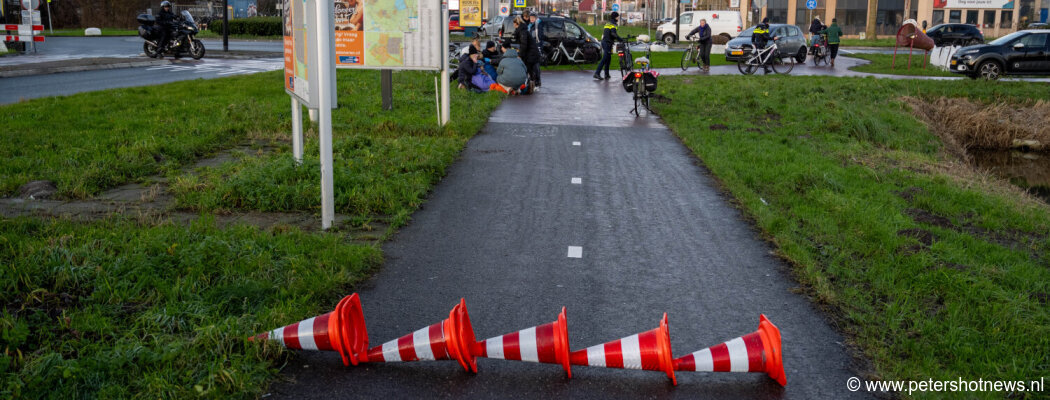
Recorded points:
609,38
166,22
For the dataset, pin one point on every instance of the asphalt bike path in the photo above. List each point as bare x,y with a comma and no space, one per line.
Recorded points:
570,167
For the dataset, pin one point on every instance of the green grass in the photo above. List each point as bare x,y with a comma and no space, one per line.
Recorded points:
80,32
883,64
143,308
98,140
124,309
385,160
883,41
623,31
847,185
666,59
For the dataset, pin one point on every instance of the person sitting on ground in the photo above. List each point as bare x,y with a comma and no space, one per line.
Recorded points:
834,36
491,57
468,66
511,73
761,38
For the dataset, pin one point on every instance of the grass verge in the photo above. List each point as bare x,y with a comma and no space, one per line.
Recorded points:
385,160
885,41
209,34
105,32
124,308
931,269
883,64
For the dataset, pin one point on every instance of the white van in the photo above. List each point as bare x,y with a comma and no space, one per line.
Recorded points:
726,23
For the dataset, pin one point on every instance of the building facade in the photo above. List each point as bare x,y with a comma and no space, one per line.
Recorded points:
994,17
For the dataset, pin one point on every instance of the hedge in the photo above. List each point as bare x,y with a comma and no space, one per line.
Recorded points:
256,26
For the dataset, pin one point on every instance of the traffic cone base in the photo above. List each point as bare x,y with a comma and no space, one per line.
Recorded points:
758,351
547,343
342,330
647,351
450,339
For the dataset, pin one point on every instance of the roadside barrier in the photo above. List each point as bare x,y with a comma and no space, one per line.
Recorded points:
547,343
758,351
343,330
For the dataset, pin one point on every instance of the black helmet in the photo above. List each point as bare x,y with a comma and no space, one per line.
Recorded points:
165,3
614,16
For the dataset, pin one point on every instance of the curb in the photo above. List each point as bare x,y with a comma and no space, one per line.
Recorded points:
79,68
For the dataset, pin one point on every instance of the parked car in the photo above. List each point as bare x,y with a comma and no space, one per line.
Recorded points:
791,42
492,28
724,23
1025,52
453,24
563,30
1039,25
955,35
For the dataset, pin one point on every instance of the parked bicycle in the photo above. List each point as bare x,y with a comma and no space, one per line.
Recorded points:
641,82
769,56
577,57
623,52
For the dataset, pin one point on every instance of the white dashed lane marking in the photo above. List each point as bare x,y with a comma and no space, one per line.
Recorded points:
577,181
575,252
575,143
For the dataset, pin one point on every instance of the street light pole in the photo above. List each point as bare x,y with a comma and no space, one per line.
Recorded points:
226,25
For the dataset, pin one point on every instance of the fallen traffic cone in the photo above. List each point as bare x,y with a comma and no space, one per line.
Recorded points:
547,343
342,330
758,351
648,350
450,339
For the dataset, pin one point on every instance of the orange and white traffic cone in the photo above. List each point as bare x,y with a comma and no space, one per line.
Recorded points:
342,330
758,351
450,339
547,343
650,351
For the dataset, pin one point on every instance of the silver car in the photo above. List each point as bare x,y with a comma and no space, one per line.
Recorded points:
791,42
493,26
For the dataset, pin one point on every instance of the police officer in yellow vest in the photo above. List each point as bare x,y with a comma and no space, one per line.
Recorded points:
761,37
609,37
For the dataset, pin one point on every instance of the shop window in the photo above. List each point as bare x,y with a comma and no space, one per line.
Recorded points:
938,17
1006,19
989,19
971,17
954,16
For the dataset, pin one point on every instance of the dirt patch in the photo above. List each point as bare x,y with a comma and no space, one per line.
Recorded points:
925,217
1041,297
660,98
908,194
923,236
957,267
964,124
718,127
37,190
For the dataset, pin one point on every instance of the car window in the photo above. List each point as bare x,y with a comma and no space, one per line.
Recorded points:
573,31
795,31
750,31
1034,41
687,19
780,32
553,28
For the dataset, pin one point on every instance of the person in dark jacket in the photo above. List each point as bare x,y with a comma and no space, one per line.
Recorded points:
166,22
528,49
834,36
703,34
609,38
760,37
511,71
490,56
814,32
468,66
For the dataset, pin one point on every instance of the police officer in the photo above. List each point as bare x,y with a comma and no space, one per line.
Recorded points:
761,37
609,37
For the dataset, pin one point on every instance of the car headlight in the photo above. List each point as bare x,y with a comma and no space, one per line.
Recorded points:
974,51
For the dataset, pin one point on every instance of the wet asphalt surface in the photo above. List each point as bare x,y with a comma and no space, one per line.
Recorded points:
657,236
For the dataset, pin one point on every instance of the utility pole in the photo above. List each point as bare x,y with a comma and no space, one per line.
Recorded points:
226,25
678,20
873,10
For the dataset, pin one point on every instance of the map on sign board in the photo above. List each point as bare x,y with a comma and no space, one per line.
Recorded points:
297,66
388,34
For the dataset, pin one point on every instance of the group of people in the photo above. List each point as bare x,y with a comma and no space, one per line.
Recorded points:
493,67
502,67
833,32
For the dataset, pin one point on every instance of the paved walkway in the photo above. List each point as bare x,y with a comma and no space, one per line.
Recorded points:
656,236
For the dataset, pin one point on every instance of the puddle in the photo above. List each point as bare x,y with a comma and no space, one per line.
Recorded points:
1029,170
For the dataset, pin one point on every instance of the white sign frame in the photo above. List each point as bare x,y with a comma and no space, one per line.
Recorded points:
442,54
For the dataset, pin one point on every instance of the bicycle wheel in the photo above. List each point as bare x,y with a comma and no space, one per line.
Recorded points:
687,57
783,65
637,97
747,66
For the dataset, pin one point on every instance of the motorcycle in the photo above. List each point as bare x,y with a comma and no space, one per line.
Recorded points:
181,42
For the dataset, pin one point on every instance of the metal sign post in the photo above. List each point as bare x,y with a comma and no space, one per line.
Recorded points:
324,58
444,65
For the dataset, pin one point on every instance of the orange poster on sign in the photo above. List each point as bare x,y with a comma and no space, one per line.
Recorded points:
349,37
